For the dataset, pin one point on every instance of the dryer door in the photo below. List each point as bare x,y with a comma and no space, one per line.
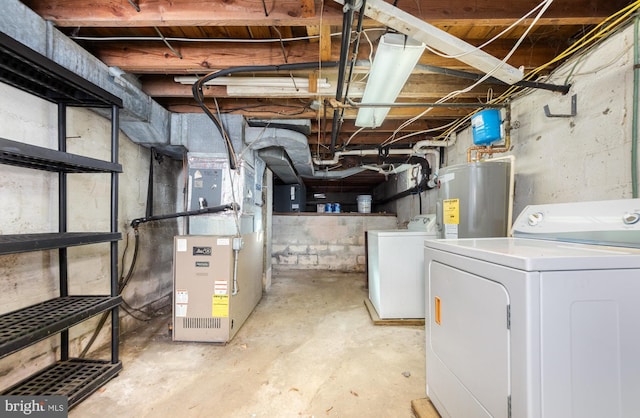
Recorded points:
467,344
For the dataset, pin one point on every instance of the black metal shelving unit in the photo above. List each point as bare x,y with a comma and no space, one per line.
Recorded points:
75,378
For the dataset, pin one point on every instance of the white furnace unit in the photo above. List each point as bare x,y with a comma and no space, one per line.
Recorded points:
536,326
212,295
395,268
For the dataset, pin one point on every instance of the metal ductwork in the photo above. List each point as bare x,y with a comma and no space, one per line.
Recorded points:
286,152
277,160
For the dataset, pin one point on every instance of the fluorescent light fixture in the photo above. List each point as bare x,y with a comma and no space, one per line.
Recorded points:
421,31
395,59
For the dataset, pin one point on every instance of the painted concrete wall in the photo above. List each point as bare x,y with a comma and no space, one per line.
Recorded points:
324,242
581,158
29,205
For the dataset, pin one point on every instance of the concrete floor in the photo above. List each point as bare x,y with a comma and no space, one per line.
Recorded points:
308,350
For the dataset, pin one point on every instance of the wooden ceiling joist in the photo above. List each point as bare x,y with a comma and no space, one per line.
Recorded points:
200,58
80,13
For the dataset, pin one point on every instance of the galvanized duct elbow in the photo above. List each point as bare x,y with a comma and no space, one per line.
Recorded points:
294,144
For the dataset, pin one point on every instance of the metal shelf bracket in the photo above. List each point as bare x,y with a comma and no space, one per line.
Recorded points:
574,109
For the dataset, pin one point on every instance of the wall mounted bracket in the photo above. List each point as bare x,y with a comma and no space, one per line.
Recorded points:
574,109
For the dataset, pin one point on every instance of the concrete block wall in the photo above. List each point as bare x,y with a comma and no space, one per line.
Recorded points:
324,242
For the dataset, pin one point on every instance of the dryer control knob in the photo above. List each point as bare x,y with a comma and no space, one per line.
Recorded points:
631,218
535,218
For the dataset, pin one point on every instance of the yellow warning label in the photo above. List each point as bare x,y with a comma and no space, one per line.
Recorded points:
451,211
220,306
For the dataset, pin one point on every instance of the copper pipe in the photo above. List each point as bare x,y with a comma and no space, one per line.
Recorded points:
481,150
473,148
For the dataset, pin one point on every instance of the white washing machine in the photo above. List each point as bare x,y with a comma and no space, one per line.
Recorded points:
535,326
395,268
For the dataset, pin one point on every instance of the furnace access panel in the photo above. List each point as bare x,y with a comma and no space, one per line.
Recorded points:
205,307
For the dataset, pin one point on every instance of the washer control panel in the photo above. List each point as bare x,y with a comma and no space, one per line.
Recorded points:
605,222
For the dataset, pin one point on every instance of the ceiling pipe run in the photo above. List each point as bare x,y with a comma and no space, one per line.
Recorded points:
341,174
420,148
347,23
428,182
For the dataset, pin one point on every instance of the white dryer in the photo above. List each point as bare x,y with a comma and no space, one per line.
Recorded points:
535,326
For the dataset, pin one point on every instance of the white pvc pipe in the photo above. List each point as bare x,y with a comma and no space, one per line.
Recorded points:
338,154
417,149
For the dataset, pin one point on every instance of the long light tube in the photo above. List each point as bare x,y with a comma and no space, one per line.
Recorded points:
418,29
394,61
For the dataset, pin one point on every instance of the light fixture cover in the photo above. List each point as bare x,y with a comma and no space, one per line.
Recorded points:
395,59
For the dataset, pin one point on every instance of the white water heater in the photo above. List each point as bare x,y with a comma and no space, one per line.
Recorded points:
473,200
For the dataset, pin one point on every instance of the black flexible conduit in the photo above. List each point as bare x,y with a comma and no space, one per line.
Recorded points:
149,210
347,23
198,93
354,53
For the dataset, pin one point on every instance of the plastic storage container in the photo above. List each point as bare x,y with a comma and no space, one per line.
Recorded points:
364,203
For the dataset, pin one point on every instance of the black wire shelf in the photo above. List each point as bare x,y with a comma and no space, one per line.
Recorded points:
19,243
74,378
27,70
40,158
23,327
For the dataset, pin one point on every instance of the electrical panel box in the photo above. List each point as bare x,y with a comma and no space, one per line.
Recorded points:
206,188
210,305
289,198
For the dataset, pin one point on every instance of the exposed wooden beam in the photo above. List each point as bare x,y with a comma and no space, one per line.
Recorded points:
307,8
80,13
289,109
420,87
153,57
200,58
297,109
410,112
325,42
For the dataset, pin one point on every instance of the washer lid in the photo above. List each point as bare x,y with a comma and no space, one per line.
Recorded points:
540,255
423,223
401,232
606,222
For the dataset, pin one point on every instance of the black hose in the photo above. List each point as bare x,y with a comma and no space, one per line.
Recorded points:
198,93
122,283
212,209
149,210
